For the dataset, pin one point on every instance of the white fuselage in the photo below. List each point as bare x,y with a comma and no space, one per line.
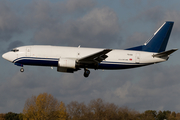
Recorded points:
70,59
49,56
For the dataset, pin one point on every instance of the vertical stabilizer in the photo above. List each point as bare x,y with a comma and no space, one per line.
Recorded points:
159,40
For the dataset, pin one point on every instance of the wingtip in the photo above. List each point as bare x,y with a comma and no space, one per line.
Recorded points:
109,49
175,49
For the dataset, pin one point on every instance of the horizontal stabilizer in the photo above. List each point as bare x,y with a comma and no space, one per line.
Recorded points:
164,54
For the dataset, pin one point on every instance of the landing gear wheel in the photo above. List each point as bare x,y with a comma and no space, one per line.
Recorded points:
86,72
22,69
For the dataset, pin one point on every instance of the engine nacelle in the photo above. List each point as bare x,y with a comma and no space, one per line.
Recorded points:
66,65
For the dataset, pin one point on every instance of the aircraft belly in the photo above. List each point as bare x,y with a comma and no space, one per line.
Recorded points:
114,65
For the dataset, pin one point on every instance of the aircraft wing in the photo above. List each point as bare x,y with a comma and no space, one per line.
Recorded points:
165,53
96,57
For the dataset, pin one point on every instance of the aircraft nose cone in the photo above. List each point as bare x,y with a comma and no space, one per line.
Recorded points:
7,56
4,56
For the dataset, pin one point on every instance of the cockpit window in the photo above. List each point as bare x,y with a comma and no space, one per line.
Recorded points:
15,50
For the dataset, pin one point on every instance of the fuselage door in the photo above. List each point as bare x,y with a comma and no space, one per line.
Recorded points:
28,52
137,60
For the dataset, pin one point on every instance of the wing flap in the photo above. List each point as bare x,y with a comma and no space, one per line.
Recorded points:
165,54
96,57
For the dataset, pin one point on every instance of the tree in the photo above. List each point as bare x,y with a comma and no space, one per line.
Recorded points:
44,107
178,116
62,111
161,115
172,116
98,108
124,113
78,111
2,116
12,116
111,111
149,115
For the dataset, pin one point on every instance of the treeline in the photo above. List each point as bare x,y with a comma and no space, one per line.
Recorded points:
46,107
121,114
11,116
125,114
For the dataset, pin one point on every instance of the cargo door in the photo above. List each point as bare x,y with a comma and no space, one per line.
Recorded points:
137,60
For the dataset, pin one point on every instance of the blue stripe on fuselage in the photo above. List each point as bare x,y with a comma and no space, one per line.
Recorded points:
37,61
35,58
54,62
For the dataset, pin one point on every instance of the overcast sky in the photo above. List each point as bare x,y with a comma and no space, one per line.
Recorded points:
89,23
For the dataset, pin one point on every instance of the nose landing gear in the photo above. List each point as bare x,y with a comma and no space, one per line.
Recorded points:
86,72
22,69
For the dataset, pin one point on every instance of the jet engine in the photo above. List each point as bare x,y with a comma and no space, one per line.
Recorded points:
66,65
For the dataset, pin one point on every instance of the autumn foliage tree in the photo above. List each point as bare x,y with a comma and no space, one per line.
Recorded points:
44,107
2,116
99,110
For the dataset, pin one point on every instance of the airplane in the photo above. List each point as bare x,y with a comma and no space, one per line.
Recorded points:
71,59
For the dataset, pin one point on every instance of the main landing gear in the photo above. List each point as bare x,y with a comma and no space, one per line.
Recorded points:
86,72
22,69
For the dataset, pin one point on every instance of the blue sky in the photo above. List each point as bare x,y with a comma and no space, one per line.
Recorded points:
89,23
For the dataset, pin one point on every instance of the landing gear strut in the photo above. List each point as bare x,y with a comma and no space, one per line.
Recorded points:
22,69
86,72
